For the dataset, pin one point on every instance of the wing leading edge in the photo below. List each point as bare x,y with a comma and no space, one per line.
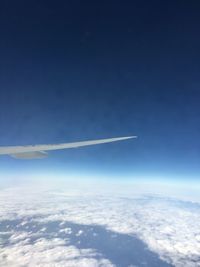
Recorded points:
39,151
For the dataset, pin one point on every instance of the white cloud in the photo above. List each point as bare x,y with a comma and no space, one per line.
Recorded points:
66,230
168,226
47,253
80,232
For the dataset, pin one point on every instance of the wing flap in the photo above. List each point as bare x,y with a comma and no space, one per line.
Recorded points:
30,155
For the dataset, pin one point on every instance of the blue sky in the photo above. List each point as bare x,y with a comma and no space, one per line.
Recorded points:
76,71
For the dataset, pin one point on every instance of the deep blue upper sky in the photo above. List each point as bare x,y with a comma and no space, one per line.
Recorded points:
76,70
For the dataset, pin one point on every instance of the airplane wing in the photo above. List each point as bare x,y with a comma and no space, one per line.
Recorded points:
39,151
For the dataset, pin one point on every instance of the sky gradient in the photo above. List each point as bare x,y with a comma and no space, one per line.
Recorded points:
80,70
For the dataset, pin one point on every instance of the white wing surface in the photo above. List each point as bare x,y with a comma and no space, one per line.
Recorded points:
39,151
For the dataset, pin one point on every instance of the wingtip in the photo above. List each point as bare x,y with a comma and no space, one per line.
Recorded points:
132,136
127,137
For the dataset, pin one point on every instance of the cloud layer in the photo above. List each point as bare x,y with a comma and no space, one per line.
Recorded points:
169,227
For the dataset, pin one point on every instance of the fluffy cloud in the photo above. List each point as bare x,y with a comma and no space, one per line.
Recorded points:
169,227
47,253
